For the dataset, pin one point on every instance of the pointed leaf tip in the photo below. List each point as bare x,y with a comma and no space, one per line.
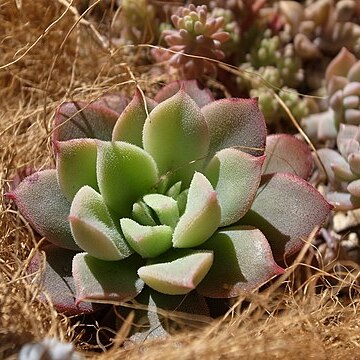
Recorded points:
201,217
176,136
178,276
129,126
202,97
235,176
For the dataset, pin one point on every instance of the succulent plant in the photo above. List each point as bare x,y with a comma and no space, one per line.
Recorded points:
343,169
322,27
343,87
271,66
196,33
178,197
50,349
135,22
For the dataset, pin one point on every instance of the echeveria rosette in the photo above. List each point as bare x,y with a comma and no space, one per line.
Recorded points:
177,192
343,169
343,87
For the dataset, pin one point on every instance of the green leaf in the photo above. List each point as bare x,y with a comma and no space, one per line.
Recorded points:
93,227
286,209
74,120
148,241
176,136
41,202
242,261
129,126
285,153
165,208
76,165
102,281
235,176
235,123
142,214
201,217
125,173
180,275
174,190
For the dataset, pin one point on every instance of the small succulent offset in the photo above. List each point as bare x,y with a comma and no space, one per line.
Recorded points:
196,33
343,87
343,169
178,197
274,66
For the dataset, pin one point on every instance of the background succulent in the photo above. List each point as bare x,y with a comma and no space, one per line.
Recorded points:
196,33
343,169
343,106
322,27
159,197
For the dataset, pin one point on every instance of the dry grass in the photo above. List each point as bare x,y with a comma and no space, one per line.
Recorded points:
53,55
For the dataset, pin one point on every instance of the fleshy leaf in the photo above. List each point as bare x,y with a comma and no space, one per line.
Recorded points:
182,200
93,227
125,172
201,217
58,281
354,162
354,73
236,176
343,201
341,64
347,140
285,153
40,201
286,209
142,214
235,123
75,120
148,241
242,261
331,158
176,136
180,275
76,165
202,97
165,208
98,280
174,190
354,188
129,126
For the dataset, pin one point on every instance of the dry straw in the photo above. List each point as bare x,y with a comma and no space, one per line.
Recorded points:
50,54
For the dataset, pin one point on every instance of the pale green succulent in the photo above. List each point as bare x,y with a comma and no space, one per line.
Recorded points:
179,197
